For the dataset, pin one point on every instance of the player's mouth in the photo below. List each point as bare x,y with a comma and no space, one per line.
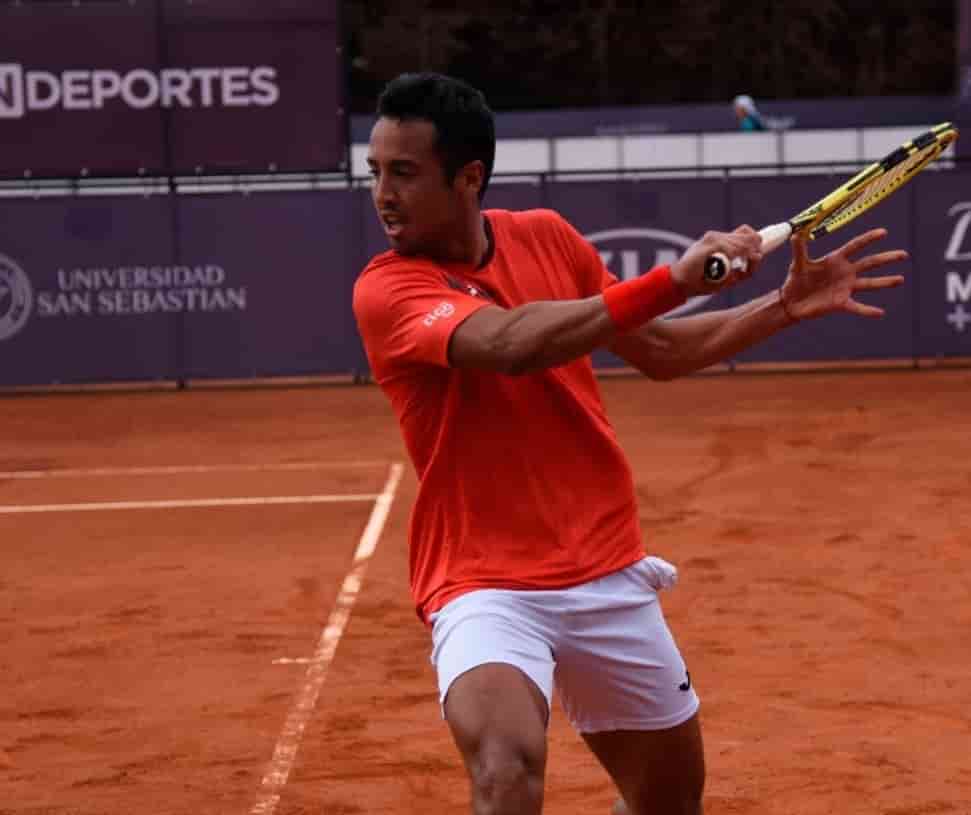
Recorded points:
393,224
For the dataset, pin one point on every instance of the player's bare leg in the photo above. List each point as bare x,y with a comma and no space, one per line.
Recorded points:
498,718
658,772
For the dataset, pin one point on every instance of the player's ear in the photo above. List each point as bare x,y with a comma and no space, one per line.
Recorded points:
472,177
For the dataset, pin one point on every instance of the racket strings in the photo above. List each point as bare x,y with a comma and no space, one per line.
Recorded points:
880,187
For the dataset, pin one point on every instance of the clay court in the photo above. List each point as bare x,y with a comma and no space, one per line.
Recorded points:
194,621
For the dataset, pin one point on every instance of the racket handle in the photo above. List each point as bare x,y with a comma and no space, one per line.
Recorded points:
774,236
717,266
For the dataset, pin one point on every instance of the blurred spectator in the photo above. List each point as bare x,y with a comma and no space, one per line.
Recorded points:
747,114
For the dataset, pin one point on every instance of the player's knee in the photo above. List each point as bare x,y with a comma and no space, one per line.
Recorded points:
507,782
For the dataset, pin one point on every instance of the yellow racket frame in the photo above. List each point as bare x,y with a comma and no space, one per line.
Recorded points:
863,191
866,189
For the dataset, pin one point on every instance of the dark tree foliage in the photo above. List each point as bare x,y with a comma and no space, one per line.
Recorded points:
539,54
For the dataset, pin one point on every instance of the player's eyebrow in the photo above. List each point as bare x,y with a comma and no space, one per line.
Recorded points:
397,163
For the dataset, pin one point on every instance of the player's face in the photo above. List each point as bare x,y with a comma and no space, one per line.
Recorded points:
418,208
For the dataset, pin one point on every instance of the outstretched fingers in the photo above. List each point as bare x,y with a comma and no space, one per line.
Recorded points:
871,262
862,309
854,245
874,283
882,282
871,284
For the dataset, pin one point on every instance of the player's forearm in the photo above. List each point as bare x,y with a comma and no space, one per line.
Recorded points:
550,333
667,349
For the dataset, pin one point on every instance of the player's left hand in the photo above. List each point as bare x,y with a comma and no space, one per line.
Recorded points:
817,287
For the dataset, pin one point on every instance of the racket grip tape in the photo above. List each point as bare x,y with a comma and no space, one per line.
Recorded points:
774,236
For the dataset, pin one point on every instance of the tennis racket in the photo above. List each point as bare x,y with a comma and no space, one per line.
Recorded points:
866,189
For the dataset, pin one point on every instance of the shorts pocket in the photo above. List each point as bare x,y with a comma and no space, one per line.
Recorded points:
658,573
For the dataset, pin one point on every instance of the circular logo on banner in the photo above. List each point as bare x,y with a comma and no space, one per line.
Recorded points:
628,252
16,298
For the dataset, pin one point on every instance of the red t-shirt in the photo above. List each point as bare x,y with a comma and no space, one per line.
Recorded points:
522,483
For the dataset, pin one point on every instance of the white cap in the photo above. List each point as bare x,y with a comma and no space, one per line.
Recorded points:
745,102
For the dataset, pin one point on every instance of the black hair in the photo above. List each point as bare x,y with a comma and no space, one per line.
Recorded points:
464,124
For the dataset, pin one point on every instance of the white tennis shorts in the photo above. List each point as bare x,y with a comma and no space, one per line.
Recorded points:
605,644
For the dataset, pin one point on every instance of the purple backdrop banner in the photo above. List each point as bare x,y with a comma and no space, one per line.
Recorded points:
287,264
839,336
942,266
64,71
279,108
225,286
259,285
128,88
71,273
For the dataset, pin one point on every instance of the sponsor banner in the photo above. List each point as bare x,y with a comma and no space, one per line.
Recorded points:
942,264
290,261
81,89
637,225
90,291
837,336
237,286
92,88
274,103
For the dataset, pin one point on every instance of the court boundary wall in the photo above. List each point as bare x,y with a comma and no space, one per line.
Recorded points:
269,268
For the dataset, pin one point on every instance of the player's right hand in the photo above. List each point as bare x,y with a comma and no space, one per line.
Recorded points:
689,271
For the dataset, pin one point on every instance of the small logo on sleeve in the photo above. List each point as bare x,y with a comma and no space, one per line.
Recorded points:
442,311
468,288
686,685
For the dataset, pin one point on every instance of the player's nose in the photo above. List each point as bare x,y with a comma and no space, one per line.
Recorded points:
383,192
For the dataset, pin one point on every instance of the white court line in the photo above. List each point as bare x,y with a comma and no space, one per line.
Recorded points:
107,506
176,469
288,744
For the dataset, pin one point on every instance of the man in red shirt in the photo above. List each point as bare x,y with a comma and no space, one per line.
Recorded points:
526,556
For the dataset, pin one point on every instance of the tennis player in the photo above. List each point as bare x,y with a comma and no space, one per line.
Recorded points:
526,556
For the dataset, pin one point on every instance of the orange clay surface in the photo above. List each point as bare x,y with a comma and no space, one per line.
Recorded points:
150,656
